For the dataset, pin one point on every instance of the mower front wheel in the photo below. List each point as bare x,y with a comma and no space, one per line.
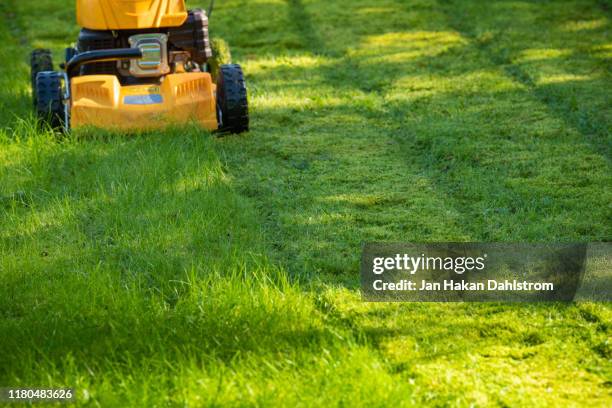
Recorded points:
233,107
49,99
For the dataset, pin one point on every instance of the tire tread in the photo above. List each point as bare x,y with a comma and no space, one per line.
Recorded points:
232,98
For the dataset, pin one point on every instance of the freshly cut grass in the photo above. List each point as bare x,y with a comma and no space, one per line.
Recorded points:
175,268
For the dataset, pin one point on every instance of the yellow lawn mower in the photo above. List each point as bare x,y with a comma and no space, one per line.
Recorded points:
139,64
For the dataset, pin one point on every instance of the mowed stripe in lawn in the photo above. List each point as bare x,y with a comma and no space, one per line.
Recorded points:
565,62
383,122
423,110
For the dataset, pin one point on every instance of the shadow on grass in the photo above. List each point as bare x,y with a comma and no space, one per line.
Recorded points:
434,143
581,105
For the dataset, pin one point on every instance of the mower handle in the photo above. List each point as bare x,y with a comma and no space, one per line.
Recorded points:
89,57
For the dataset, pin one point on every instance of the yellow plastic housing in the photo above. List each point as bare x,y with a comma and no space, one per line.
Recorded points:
101,101
130,14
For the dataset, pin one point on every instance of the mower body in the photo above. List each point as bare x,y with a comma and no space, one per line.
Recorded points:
140,64
130,14
101,101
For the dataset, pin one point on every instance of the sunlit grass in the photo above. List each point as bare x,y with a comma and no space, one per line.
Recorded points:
542,54
178,268
580,25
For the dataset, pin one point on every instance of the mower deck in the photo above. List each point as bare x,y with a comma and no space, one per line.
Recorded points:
101,101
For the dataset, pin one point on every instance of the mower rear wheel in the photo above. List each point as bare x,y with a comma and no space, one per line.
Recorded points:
49,99
233,107
40,60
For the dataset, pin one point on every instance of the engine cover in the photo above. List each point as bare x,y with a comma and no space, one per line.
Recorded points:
130,14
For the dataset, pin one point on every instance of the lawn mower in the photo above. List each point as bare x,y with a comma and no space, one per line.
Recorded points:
139,64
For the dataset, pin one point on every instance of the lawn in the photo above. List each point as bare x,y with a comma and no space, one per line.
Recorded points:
177,268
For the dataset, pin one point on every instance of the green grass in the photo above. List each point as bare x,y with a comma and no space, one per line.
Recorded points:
179,269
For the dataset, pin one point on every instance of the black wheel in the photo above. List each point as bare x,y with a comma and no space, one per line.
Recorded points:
233,108
40,60
49,99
